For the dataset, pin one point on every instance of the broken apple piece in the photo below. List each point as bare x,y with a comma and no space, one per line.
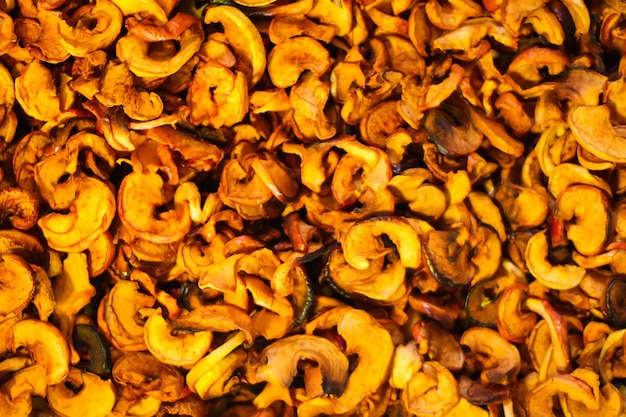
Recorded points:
143,374
36,92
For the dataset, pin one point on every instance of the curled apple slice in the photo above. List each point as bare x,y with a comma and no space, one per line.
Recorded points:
47,346
244,39
591,209
556,277
594,131
362,242
83,394
280,361
181,349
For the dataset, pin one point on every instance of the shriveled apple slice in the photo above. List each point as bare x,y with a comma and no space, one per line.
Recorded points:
498,360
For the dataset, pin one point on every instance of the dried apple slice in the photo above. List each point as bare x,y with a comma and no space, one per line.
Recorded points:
522,206
594,131
244,39
538,401
215,382
280,360
171,30
136,53
95,27
362,242
36,92
498,360
358,328
149,189
47,346
182,349
215,318
565,174
152,9
558,277
17,407
290,58
72,292
451,131
558,331
448,259
90,214
513,323
443,347
431,391
143,374
591,209
212,360
82,394
217,96
17,284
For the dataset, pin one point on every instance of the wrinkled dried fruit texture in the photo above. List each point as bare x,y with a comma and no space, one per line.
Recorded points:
328,207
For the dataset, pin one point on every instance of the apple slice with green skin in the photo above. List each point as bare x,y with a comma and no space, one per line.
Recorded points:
615,296
447,259
591,209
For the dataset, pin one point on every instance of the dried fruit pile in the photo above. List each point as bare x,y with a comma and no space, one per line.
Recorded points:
312,207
